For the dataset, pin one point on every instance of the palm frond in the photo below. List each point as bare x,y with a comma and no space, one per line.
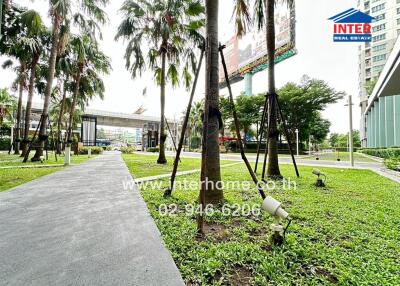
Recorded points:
242,17
259,14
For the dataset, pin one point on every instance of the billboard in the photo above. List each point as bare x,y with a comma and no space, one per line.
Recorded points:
249,53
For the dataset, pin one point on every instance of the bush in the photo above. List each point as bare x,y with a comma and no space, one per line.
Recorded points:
95,150
382,153
393,163
127,150
5,144
107,148
195,142
153,149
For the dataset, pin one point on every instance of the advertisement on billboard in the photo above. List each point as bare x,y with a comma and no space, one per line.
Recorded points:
248,54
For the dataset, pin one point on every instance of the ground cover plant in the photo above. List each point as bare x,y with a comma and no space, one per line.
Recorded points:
15,160
10,178
141,165
344,234
343,156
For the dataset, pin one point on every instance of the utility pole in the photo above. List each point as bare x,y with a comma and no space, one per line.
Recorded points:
297,141
351,149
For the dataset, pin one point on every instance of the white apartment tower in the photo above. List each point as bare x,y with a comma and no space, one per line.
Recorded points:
373,56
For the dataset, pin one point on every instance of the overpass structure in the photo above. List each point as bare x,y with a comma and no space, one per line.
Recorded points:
150,125
383,111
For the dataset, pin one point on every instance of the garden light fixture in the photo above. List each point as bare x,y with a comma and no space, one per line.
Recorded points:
319,183
274,208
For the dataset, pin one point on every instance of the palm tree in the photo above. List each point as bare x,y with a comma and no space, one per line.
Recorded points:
7,105
61,12
264,15
34,45
164,31
88,61
19,84
211,170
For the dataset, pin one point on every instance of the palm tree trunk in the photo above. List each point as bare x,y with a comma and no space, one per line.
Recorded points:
60,116
73,105
28,108
212,171
19,110
49,87
161,156
273,164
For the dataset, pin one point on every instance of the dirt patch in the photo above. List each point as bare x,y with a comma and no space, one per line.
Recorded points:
323,272
240,277
320,271
215,231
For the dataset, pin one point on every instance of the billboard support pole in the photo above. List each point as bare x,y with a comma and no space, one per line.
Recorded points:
237,128
168,192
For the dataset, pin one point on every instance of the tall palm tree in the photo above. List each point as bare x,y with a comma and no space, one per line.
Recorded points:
264,15
164,31
60,12
35,41
19,84
89,60
211,159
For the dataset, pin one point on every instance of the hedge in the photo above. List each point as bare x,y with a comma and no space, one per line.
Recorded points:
127,150
95,150
382,153
153,149
393,163
5,144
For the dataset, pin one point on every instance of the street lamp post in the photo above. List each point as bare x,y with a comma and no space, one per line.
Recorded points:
350,140
297,141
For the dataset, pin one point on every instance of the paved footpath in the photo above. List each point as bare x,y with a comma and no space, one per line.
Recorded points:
79,226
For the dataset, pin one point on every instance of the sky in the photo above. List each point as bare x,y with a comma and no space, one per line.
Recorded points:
317,56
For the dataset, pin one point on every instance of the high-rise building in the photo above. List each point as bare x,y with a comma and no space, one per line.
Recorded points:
373,56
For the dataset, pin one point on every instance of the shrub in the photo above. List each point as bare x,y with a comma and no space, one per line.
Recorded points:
195,142
127,150
95,150
107,148
5,144
382,153
393,163
153,149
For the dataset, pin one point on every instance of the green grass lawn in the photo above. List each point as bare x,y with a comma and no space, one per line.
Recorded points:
10,178
15,160
345,234
343,156
146,165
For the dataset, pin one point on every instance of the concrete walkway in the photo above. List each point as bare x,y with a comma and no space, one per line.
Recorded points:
79,226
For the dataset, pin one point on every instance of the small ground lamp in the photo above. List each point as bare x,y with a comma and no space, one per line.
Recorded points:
274,208
319,183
